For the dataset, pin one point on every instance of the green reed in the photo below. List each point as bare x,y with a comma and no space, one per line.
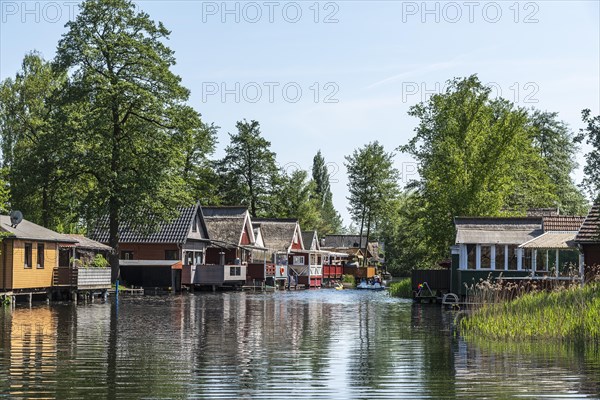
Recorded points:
567,314
401,288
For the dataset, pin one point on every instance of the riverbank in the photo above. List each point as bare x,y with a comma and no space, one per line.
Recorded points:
401,288
565,315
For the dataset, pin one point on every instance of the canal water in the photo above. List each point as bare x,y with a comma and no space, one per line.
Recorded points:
308,344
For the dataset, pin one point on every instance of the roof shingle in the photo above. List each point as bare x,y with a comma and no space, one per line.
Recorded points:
175,231
590,229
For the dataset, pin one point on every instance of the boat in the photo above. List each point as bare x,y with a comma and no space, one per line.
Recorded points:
367,286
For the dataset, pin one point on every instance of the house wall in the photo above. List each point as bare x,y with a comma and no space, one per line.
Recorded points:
213,257
245,237
6,272
148,251
32,278
591,254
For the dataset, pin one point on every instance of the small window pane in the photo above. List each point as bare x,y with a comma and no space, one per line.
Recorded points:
40,255
471,254
486,257
500,257
512,257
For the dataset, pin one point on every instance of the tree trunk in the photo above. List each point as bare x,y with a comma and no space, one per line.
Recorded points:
367,240
113,240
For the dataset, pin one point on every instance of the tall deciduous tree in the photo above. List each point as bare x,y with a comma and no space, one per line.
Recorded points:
35,145
476,157
294,198
128,110
331,221
248,169
372,183
591,135
557,147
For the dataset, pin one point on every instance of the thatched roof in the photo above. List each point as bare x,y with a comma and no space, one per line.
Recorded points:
590,229
278,234
489,230
225,225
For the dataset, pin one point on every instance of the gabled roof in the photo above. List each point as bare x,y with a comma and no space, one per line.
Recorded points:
87,243
27,230
174,231
226,224
278,234
345,241
497,230
552,240
311,240
562,223
590,229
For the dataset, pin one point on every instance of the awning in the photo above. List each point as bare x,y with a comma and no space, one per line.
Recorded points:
552,240
495,236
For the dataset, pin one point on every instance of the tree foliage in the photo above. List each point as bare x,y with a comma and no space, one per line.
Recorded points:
557,147
248,170
331,221
128,114
477,157
372,185
591,135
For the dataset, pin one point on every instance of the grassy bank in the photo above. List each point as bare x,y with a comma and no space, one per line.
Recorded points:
565,315
401,288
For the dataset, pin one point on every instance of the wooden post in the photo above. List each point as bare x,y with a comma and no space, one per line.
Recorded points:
30,299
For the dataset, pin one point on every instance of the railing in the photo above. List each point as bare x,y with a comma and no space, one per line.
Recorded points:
214,274
82,278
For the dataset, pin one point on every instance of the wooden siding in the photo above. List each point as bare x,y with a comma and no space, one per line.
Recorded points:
245,240
6,272
33,278
148,251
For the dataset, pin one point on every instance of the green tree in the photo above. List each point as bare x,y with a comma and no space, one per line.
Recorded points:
128,111
35,145
198,171
248,169
294,198
372,184
591,135
331,219
557,147
476,157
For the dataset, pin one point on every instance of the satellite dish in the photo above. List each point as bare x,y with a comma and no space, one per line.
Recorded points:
15,218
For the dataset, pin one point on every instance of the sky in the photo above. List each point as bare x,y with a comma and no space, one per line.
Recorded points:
336,75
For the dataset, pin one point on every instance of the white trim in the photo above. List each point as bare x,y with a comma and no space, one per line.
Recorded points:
493,257
519,259
478,257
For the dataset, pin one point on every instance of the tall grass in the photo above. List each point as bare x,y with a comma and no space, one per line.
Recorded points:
401,288
569,314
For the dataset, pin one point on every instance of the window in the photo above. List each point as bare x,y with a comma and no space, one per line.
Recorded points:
513,256
195,226
27,255
500,257
540,260
298,260
486,257
127,255
198,257
171,255
189,258
527,259
40,255
235,271
471,256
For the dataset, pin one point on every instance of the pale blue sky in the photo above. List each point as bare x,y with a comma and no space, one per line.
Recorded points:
374,59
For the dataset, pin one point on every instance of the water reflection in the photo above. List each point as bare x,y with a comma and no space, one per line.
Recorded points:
312,344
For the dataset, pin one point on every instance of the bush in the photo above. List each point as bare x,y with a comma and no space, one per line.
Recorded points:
402,288
99,262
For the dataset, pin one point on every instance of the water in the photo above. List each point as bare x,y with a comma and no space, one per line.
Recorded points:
308,344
